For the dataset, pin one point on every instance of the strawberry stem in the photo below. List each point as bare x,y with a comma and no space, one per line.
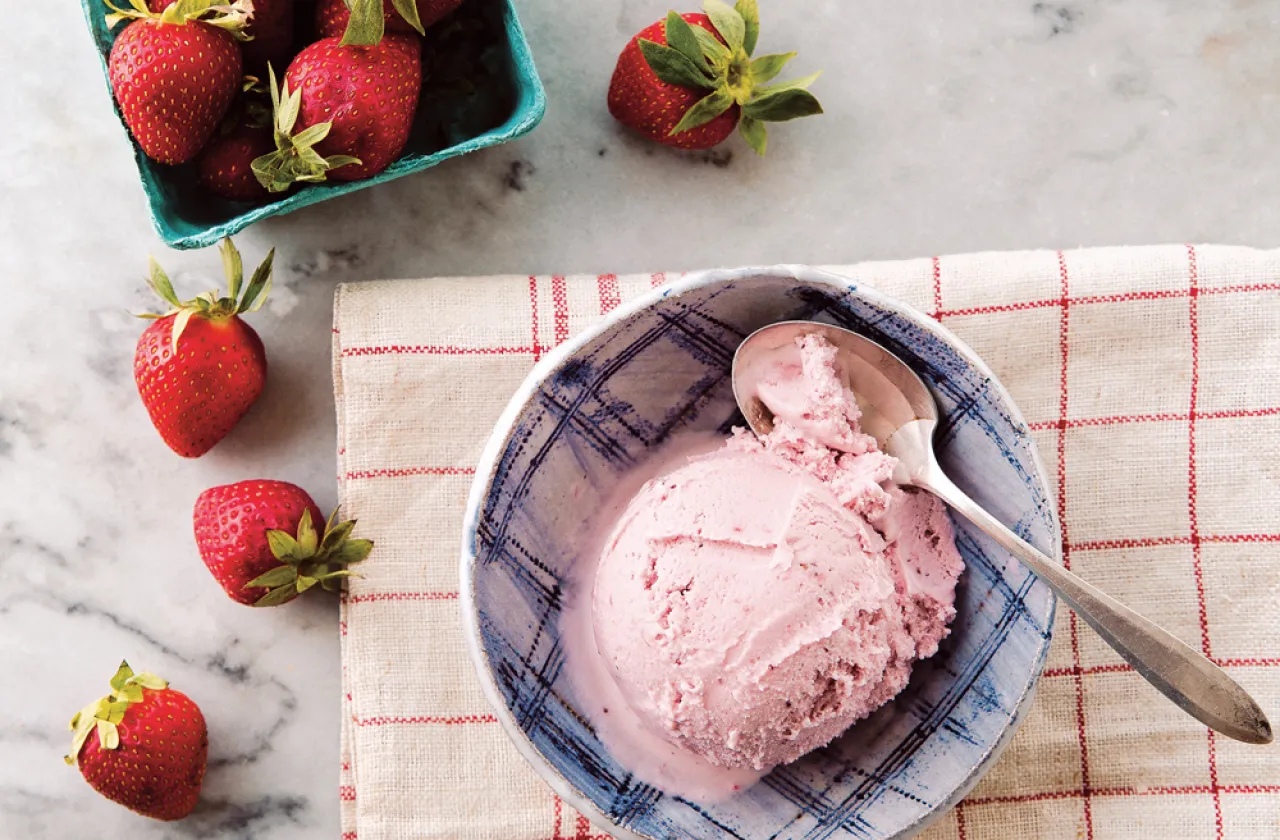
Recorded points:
695,58
294,159
233,16
105,714
309,558
209,305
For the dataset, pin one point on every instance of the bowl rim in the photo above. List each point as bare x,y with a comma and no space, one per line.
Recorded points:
505,426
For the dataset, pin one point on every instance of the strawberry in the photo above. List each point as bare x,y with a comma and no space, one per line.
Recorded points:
333,19
225,167
151,746
258,538
290,157
690,80
175,75
200,367
270,30
355,104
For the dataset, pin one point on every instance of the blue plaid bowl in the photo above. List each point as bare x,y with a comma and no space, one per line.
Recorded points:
501,100
596,407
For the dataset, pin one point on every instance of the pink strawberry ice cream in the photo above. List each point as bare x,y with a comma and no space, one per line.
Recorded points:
755,602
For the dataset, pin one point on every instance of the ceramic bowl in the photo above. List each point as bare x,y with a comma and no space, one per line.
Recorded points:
659,367
501,100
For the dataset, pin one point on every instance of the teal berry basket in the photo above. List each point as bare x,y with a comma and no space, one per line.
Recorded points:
480,89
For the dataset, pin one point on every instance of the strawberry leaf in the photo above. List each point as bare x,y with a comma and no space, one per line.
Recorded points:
751,19
308,541
408,10
335,535
714,51
131,693
704,111
366,24
285,116
766,67
311,559
274,179
755,133
151,681
801,83
339,574
82,725
312,159
140,11
232,267
309,156
118,14
276,597
334,161
680,37
352,551
279,576
122,675
673,67
283,545
312,135
108,735
259,285
106,713
291,105
787,104
159,283
184,9
293,160
728,22
112,711
179,325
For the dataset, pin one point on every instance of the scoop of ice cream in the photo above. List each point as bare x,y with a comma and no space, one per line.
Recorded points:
755,602
748,613
803,389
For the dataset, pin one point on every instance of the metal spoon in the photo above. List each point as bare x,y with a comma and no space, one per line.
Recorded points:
900,413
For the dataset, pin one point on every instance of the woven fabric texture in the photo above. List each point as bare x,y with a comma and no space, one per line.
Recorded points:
1150,378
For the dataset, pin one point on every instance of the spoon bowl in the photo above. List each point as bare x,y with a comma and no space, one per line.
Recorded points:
900,413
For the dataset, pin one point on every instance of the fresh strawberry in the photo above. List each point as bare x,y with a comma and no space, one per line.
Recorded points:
333,19
270,31
150,749
200,367
174,74
643,101
690,80
352,105
259,540
225,167
289,158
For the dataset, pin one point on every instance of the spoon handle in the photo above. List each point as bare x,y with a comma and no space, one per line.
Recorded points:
1178,671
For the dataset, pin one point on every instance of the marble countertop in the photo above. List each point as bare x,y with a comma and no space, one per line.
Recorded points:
949,127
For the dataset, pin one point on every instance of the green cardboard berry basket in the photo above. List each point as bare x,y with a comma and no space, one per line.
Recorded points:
480,89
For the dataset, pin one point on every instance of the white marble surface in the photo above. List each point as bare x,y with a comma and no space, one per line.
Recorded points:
950,127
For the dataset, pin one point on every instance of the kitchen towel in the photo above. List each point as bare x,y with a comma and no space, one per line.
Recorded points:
1150,378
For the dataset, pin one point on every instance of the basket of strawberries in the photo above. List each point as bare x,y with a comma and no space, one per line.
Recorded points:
240,110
